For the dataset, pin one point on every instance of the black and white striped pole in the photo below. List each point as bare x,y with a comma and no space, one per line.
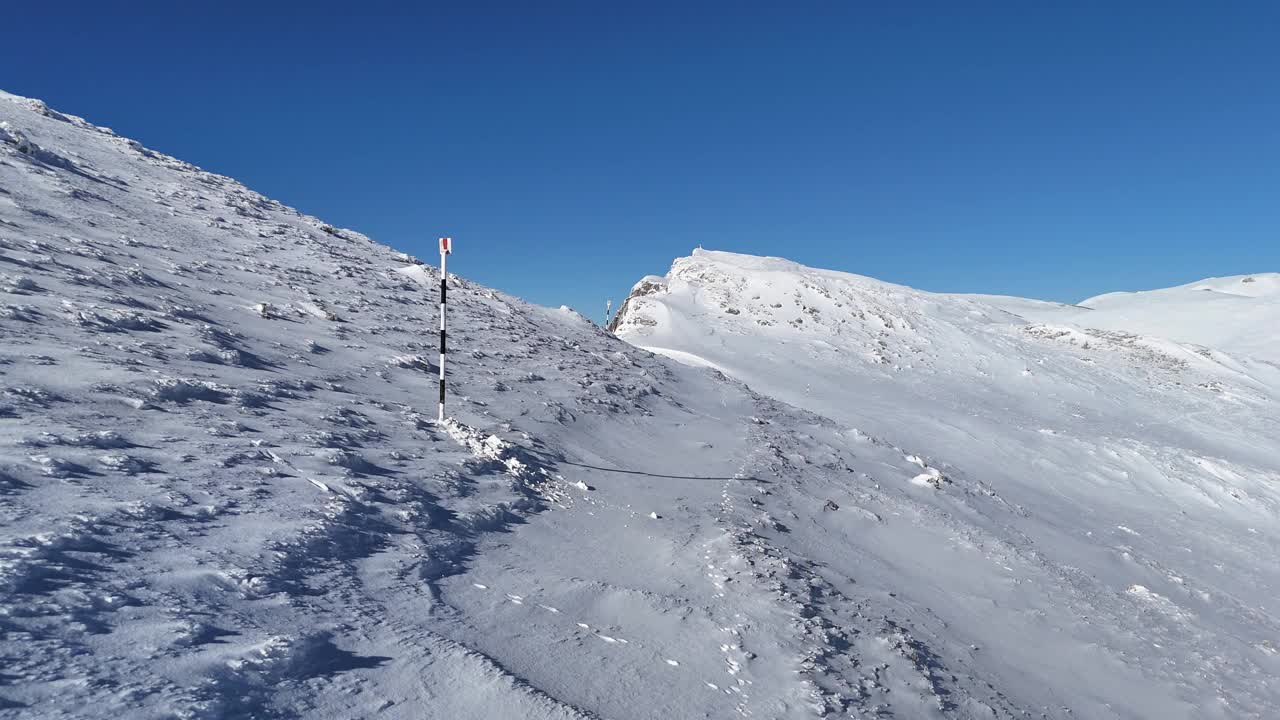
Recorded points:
446,249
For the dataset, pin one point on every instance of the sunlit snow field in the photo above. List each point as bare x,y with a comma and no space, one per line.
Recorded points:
223,493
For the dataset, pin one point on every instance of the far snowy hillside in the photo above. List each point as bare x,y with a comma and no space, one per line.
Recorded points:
1234,314
1122,555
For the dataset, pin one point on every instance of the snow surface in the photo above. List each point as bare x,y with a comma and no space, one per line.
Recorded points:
1233,314
1092,524
222,493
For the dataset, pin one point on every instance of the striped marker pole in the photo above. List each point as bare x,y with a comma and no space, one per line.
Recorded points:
446,249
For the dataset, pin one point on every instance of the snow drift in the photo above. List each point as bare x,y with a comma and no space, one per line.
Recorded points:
1096,509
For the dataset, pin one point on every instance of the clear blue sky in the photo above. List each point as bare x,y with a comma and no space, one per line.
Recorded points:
571,148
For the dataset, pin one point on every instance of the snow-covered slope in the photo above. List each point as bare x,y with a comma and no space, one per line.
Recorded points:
1235,314
1096,512
222,494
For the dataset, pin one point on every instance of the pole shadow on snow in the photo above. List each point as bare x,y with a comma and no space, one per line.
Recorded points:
550,460
659,475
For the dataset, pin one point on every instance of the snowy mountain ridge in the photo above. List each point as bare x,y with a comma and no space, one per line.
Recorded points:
1140,472
1228,314
1255,285
222,494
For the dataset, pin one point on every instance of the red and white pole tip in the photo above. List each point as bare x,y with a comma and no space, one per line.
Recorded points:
446,246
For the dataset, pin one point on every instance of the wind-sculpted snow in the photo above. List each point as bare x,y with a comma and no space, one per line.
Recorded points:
222,494
1090,525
